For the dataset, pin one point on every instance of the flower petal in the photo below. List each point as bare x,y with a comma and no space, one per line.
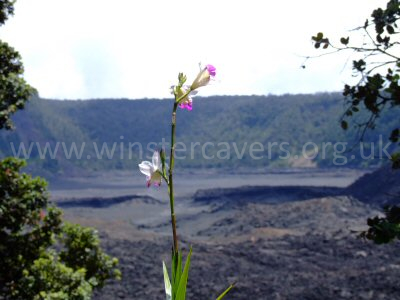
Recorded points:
156,159
146,167
189,106
211,70
156,178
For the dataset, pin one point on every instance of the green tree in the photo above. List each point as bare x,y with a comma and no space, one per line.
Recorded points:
41,257
14,91
378,90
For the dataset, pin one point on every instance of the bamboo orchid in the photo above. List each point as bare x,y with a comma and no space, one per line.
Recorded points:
152,170
155,171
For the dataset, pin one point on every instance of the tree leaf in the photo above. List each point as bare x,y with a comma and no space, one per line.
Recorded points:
390,29
345,41
394,136
344,125
318,37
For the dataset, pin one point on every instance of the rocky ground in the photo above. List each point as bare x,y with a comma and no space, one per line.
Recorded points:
286,249
283,267
378,188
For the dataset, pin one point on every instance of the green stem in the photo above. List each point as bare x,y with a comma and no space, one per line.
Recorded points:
170,181
171,169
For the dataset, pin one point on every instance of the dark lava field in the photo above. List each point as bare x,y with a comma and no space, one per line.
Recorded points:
291,242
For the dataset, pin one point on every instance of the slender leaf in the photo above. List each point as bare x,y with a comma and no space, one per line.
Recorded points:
178,273
174,264
179,267
181,292
173,267
226,291
167,283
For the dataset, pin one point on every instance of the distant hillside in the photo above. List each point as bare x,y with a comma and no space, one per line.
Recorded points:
381,187
225,132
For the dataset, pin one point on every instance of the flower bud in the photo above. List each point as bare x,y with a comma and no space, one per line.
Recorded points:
204,77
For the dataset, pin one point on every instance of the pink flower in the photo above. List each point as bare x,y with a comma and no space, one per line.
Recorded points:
152,170
203,78
185,103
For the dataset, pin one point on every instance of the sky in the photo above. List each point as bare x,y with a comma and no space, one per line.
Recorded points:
83,49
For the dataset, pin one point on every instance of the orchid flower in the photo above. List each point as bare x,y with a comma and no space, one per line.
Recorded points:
152,170
203,78
187,102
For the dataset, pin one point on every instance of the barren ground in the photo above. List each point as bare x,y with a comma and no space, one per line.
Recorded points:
281,249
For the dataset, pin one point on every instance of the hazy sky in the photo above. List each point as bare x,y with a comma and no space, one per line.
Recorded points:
77,49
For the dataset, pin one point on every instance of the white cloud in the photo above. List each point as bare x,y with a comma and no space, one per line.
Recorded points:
135,49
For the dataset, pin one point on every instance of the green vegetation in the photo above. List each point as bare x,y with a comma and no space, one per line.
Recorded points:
223,121
14,91
40,256
376,94
377,69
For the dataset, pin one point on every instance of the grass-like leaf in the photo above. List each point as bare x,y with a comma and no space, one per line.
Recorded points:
176,272
226,291
167,283
181,292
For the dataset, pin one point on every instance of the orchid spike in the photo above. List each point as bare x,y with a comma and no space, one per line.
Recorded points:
152,170
203,78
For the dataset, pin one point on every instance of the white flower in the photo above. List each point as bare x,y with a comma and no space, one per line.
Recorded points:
152,170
